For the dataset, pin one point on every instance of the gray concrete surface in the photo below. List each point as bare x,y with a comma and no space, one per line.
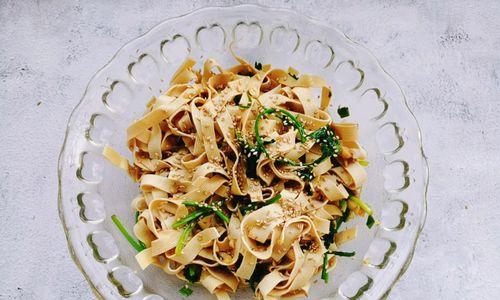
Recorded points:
445,54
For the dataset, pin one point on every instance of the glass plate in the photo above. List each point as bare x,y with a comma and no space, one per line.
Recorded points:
91,190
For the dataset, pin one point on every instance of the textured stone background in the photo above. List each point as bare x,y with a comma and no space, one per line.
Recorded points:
445,54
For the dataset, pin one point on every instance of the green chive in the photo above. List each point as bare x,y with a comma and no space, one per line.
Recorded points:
256,205
363,162
182,239
343,111
361,204
335,226
185,291
330,145
343,205
216,210
343,218
324,273
345,254
273,199
288,161
370,221
191,203
251,155
269,142
192,273
127,235
221,215
190,217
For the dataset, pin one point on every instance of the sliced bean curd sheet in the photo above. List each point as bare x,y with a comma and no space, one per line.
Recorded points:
243,174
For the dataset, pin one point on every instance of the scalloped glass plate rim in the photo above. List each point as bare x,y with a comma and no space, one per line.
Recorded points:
249,6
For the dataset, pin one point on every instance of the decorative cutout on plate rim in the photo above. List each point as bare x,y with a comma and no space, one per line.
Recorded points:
392,216
146,70
175,43
91,207
320,53
355,285
103,246
280,33
216,38
97,132
365,97
396,178
389,139
379,252
246,33
125,281
344,69
90,169
117,97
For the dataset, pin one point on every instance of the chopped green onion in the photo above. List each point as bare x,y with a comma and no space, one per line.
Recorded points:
361,204
306,173
329,142
269,142
288,161
256,205
335,226
343,111
221,215
190,217
343,218
185,291
370,221
142,244
324,272
345,254
273,199
182,239
251,154
363,162
343,205
328,238
127,235
191,203
192,273
258,65
214,209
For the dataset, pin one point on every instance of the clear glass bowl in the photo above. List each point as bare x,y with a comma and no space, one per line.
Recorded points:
91,190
